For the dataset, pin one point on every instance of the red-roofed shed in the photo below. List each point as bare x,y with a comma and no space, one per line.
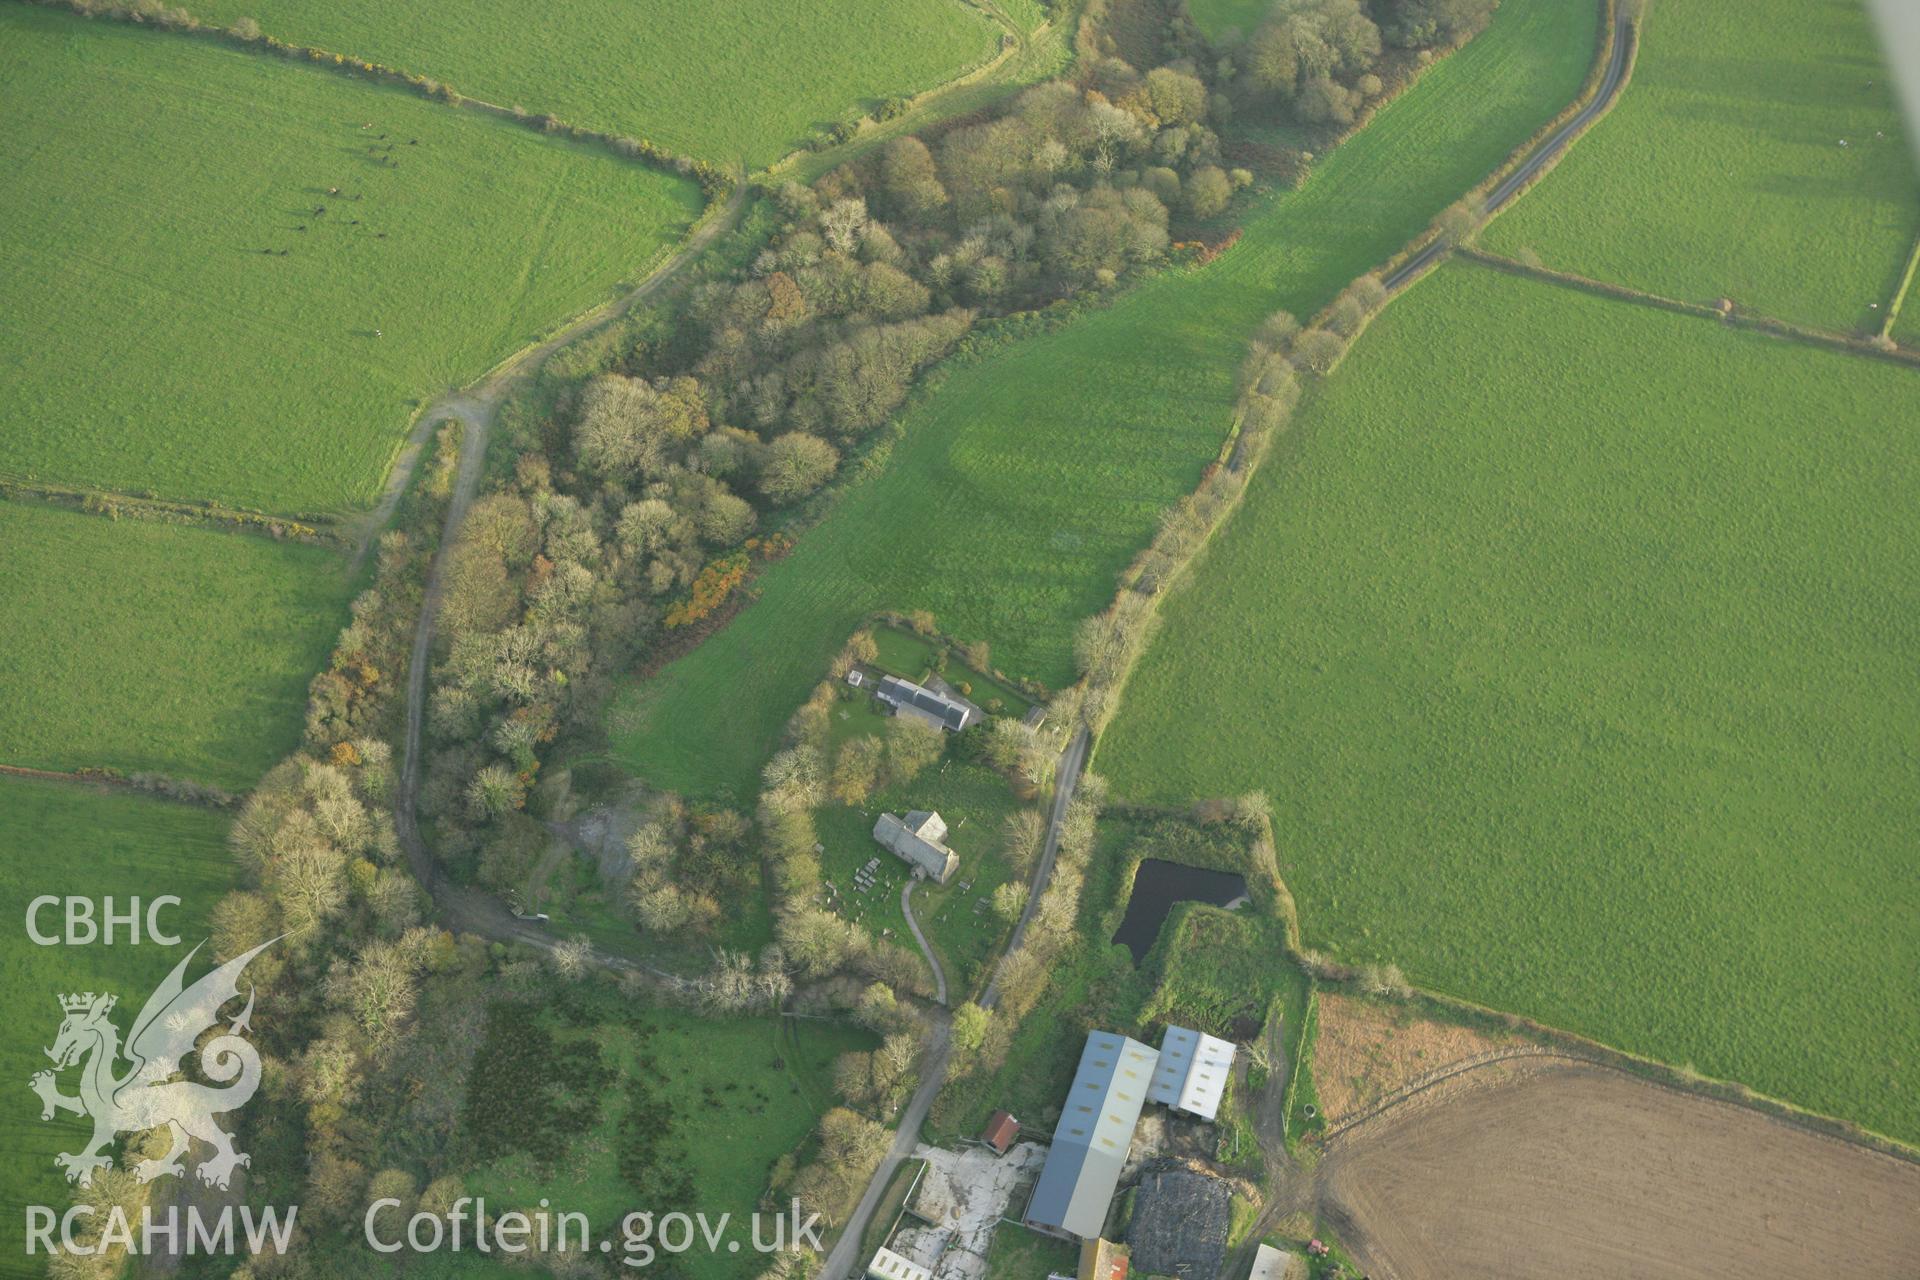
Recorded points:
1001,1132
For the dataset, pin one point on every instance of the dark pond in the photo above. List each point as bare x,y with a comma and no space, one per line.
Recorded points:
1157,886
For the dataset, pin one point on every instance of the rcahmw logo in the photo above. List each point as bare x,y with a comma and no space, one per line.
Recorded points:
152,1093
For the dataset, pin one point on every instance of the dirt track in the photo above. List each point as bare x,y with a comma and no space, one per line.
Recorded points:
1572,1172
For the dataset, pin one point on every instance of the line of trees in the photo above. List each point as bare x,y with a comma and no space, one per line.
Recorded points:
1322,60
1280,356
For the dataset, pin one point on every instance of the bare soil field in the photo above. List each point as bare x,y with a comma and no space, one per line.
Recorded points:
1571,1171
1367,1051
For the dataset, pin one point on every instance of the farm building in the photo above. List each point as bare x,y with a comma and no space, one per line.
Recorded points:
916,840
943,710
1090,1142
1180,1223
888,1265
1101,1260
1277,1264
1192,1072
1001,1132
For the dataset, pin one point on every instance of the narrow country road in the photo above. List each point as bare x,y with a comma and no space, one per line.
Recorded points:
1509,187
1066,778
464,909
843,1258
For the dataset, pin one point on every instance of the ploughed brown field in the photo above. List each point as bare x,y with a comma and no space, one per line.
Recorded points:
1568,1172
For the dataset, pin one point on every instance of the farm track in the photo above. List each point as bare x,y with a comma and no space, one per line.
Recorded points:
475,407
466,909
913,926
476,404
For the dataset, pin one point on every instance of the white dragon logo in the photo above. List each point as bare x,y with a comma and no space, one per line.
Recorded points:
147,1096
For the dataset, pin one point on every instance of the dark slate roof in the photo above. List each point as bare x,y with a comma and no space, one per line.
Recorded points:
950,711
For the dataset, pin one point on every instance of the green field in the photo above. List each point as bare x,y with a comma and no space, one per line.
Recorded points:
1224,18
70,840
740,1093
726,81
1574,643
1026,481
149,646
152,346
1720,172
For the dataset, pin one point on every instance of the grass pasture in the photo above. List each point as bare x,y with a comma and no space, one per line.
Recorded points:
1721,172
1223,19
725,81
1574,643
1025,480
157,647
153,347
736,1094
85,841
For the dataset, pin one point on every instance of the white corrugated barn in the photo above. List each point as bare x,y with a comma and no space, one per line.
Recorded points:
1191,1075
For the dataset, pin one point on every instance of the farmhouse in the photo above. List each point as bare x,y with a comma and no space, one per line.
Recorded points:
916,840
1090,1142
1192,1073
944,710
1180,1223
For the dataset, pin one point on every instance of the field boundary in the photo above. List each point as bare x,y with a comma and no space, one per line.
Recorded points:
1427,251
869,130
1899,298
714,180
158,786
1588,1054
316,530
1342,978
485,392
1731,314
